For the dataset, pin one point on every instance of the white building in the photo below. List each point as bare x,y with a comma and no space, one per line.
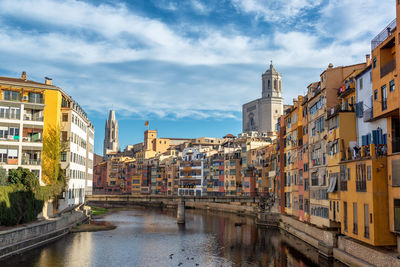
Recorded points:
78,133
368,130
261,115
191,172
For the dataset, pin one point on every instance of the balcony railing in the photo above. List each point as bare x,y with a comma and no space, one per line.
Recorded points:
361,186
31,139
11,116
36,100
32,118
388,67
31,161
383,35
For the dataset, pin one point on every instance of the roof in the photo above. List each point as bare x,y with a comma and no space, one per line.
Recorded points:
27,82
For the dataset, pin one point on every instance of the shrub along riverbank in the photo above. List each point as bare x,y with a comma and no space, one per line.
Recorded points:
22,198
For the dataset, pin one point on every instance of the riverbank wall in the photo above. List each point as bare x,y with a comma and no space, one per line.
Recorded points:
22,238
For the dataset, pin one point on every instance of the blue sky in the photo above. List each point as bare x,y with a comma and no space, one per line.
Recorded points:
187,66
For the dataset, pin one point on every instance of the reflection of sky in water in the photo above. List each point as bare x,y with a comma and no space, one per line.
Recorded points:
146,237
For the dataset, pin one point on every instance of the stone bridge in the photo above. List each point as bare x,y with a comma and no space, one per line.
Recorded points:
236,204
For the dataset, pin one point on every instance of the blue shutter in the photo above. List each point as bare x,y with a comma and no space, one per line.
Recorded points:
384,139
369,138
364,140
375,137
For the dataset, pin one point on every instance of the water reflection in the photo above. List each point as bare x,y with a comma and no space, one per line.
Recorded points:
152,238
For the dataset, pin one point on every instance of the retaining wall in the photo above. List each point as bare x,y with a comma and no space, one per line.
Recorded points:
19,239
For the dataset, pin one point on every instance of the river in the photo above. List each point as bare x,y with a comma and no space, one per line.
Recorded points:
151,237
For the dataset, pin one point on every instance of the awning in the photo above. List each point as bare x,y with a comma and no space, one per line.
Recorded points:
332,184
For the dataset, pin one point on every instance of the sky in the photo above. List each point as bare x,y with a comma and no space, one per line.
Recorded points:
186,66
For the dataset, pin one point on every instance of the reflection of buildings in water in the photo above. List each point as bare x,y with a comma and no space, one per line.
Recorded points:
79,249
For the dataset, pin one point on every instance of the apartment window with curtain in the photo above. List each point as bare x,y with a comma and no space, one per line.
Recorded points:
384,97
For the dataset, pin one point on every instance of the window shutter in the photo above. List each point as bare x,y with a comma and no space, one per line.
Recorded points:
375,137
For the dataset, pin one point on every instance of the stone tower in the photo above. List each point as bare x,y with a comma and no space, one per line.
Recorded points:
111,143
261,115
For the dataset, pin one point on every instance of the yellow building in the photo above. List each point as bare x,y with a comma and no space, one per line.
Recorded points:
386,103
40,111
363,199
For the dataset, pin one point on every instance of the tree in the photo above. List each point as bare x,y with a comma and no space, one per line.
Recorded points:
25,177
52,148
3,176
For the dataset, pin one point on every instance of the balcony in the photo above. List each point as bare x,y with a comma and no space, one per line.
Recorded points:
361,186
383,35
388,68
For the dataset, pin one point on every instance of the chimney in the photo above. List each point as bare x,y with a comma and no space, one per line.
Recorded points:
368,59
330,66
48,81
23,76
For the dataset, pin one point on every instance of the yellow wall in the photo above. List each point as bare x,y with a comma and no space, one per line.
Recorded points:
52,110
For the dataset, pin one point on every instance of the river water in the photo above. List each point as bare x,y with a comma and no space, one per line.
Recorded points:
151,237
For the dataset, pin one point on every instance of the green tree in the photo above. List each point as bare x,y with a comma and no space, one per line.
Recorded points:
24,177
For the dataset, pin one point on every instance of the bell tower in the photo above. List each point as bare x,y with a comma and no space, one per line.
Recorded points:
271,83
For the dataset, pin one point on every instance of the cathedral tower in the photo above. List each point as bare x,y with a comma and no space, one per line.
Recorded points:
261,115
111,143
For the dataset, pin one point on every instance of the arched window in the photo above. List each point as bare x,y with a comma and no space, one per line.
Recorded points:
269,84
275,87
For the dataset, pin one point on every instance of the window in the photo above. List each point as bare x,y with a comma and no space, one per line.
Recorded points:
391,86
355,219
360,83
397,215
374,62
64,136
376,94
10,95
345,215
63,156
361,183
366,221
65,117
35,98
369,173
384,97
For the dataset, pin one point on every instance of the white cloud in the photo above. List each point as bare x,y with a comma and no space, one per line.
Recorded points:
275,10
144,66
200,7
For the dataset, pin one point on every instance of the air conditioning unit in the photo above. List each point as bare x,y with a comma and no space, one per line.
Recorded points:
25,98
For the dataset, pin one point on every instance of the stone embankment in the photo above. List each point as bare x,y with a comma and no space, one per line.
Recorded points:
22,238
